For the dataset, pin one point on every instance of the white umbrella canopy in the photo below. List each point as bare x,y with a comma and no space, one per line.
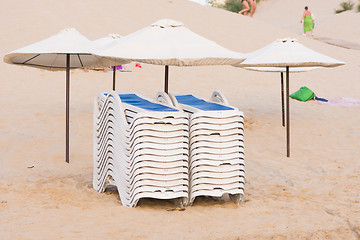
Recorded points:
280,69
103,42
64,51
287,52
168,43
286,55
51,53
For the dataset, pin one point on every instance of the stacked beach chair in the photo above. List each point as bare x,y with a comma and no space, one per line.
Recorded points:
140,146
216,163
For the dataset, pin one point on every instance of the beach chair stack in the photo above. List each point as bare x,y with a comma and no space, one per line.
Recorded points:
141,147
216,163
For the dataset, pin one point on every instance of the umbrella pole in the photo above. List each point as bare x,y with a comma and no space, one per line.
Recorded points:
166,79
114,77
67,107
287,114
282,100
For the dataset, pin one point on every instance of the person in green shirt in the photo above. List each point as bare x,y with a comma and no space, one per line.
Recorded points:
308,22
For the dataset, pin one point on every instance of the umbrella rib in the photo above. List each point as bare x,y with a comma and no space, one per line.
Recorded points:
38,65
80,60
31,58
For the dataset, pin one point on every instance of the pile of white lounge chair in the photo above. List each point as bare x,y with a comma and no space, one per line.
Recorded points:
174,147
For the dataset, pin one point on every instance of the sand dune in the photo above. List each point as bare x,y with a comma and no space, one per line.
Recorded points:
315,194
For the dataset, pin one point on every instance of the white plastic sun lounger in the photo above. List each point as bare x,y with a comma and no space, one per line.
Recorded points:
118,171
216,161
140,146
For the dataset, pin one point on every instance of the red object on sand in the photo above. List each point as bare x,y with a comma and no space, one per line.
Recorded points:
138,65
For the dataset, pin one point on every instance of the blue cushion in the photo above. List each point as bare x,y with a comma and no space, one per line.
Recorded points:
200,104
137,101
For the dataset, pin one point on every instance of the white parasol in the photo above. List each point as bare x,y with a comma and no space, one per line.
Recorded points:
283,55
167,42
64,51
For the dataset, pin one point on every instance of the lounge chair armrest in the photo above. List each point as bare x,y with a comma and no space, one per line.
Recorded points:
167,99
219,97
162,97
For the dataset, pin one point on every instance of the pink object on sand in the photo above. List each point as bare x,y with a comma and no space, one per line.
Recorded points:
342,101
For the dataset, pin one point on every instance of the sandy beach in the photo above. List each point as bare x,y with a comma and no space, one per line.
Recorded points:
314,194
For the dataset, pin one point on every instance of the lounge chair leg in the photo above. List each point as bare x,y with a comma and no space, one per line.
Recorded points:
237,198
181,202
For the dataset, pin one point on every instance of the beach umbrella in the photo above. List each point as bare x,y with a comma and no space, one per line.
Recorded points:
285,54
104,42
168,43
64,51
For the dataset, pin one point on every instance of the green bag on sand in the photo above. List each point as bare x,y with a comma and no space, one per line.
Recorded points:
303,94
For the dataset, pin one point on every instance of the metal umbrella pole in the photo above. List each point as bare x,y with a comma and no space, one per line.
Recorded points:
114,77
287,114
282,100
67,108
166,89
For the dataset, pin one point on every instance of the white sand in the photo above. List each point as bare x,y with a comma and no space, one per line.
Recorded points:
315,194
